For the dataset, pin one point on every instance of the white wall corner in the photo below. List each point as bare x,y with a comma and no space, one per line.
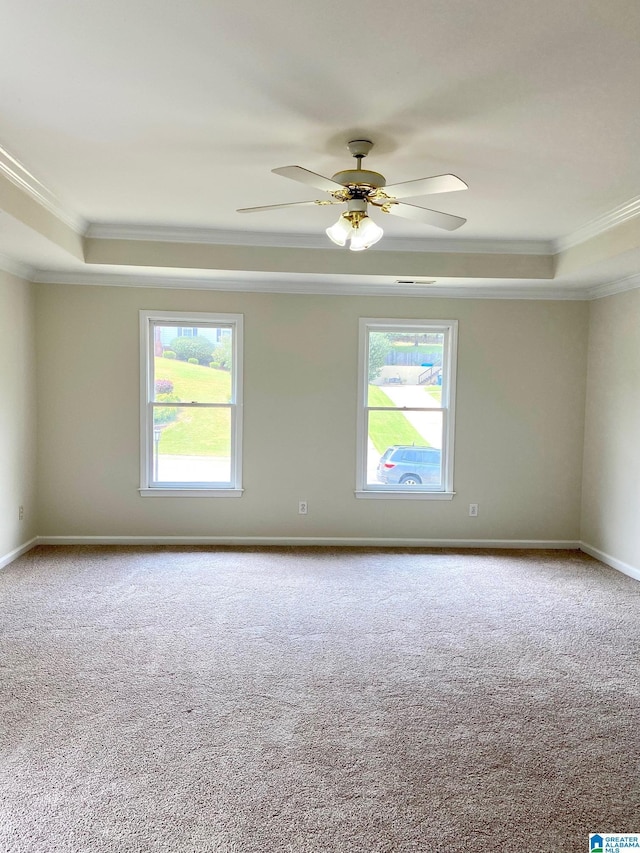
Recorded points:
613,562
16,268
18,552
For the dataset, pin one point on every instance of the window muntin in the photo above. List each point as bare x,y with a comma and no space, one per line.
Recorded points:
191,404
406,408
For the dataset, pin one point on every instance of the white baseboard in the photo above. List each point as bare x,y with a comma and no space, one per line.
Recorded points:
625,568
345,541
329,541
18,552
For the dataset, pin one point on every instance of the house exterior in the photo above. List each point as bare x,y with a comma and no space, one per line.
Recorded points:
169,333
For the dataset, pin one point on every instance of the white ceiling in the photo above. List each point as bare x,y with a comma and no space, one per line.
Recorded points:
170,116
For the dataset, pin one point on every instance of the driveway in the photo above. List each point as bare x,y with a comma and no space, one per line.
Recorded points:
428,424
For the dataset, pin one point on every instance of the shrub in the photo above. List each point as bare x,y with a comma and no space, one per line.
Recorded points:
214,364
223,354
169,353
192,361
164,386
197,347
166,414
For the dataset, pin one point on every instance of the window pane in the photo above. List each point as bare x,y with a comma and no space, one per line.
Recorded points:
204,379
194,367
404,448
402,361
411,396
191,445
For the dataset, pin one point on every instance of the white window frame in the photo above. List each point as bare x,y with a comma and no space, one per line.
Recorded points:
148,487
449,328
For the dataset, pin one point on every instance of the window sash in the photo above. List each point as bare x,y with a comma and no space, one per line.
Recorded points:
195,484
425,487
448,328
149,485
209,324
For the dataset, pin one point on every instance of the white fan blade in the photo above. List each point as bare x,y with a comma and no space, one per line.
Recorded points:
304,176
291,204
428,217
426,186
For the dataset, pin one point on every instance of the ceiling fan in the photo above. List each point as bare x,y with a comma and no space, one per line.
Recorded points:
358,188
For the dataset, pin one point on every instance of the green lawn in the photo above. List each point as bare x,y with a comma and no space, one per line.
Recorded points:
194,383
387,428
196,432
207,432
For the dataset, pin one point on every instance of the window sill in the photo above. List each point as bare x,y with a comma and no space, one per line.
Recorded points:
190,493
380,494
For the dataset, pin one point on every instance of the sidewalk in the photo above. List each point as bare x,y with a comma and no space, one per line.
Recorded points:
194,469
428,424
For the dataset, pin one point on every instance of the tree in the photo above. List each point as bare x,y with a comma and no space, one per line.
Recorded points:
223,353
196,347
379,346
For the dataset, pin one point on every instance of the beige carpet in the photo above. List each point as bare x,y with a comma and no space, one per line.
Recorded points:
307,700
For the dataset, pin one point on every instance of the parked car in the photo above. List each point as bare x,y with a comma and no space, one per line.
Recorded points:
409,465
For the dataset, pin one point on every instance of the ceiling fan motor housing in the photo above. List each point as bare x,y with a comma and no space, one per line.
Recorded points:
359,178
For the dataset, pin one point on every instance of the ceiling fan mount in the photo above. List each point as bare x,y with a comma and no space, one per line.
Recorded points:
360,187
360,181
359,147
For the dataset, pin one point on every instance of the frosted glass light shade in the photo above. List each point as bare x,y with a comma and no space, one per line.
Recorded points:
365,235
340,232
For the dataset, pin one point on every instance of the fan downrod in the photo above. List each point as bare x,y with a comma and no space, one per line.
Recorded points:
359,181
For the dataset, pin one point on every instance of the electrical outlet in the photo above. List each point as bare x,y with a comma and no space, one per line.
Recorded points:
303,507
473,510
20,513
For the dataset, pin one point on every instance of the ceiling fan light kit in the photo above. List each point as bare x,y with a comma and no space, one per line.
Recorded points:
355,226
358,188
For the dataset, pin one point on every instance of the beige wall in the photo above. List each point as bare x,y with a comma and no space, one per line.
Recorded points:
611,486
17,413
521,369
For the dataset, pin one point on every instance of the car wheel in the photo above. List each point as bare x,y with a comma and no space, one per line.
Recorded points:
411,480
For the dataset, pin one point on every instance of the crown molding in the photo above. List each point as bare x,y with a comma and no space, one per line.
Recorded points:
19,175
623,213
26,181
218,237
599,291
319,288
16,268
529,291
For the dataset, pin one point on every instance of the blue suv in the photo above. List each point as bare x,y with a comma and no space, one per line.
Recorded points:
410,465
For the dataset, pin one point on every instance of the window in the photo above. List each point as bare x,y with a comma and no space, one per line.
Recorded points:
191,404
406,409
